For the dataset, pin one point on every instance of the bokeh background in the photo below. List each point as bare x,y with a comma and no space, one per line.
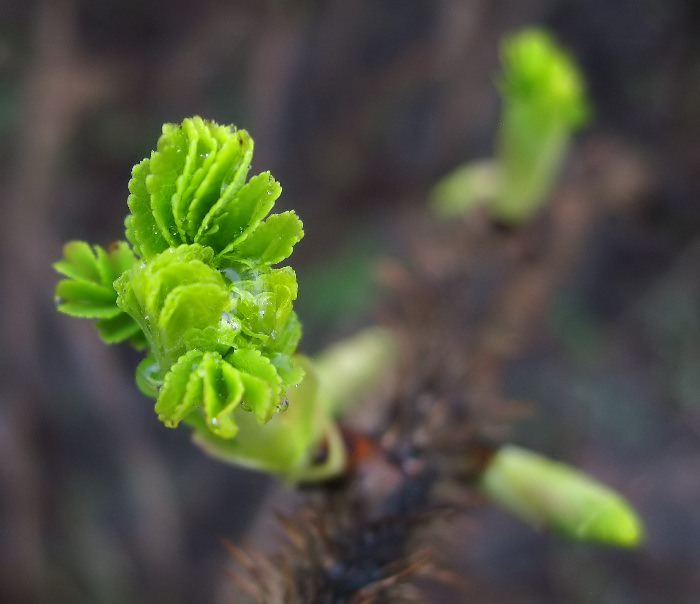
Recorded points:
357,108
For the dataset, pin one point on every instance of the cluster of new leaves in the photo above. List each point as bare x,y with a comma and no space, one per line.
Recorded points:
197,286
193,189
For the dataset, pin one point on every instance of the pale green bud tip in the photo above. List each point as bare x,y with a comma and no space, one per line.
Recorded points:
355,366
536,70
554,495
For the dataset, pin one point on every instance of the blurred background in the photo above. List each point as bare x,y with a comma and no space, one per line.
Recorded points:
357,108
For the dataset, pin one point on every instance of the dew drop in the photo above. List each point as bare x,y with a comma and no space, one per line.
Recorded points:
228,321
150,370
232,275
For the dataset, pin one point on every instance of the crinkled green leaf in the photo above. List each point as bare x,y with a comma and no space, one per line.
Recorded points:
129,302
263,308
187,311
290,372
165,279
227,332
141,227
196,163
183,265
201,381
287,338
89,291
271,241
283,285
193,189
121,258
79,262
88,309
225,176
201,153
181,391
223,390
283,445
260,397
166,166
119,328
178,298
87,294
191,155
139,341
238,212
287,444
104,267
263,385
93,264
273,291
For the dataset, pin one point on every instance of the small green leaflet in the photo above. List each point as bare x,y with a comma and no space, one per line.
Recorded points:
88,291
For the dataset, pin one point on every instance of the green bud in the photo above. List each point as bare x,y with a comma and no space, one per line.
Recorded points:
556,496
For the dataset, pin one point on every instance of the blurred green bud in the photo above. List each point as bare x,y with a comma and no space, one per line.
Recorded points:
544,103
556,496
539,74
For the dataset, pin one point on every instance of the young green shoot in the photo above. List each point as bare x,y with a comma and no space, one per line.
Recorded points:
543,104
199,288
